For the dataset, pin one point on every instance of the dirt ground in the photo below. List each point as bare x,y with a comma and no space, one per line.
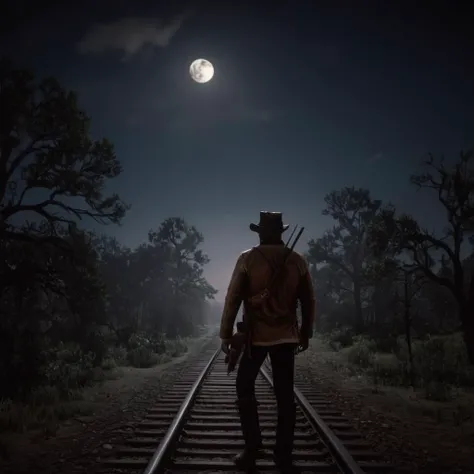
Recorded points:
107,410
421,436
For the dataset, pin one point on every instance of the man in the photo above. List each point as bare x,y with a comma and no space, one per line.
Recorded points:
273,329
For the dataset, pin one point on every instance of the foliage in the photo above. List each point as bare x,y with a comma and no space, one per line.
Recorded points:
344,248
341,337
49,165
397,278
75,305
438,257
361,351
440,363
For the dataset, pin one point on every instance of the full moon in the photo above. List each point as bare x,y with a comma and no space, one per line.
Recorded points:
201,70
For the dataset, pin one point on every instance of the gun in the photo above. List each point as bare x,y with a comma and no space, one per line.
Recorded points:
260,298
237,344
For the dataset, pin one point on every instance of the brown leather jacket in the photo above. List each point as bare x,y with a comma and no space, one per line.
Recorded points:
251,275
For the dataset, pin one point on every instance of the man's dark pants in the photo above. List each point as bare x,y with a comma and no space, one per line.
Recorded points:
282,357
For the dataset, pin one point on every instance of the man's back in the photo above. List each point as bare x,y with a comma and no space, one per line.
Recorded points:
264,261
275,322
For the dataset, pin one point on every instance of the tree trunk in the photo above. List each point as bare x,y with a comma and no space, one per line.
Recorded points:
407,320
467,319
359,318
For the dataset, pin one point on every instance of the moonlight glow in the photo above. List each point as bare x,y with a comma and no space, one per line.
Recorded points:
201,70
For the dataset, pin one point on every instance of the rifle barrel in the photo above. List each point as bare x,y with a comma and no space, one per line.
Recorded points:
297,238
291,236
280,268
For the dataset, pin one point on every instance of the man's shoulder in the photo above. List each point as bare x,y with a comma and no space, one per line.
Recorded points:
300,261
297,256
246,252
244,255
243,258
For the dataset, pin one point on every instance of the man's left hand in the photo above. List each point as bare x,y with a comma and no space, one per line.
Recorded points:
303,344
225,347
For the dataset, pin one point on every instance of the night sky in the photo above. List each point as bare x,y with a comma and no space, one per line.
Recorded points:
307,97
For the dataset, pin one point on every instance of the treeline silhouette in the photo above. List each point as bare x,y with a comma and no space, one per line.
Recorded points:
73,301
397,298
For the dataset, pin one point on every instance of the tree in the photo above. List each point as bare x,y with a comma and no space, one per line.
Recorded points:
136,287
180,243
50,299
381,321
185,260
344,246
412,282
120,288
54,173
454,188
441,304
50,167
157,287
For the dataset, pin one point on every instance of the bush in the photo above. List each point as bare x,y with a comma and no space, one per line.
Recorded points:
142,357
387,344
22,417
340,337
386,368
159,345
138,340
69,368
45,395
108,364
437,391
176,347
118,354
439,362
146,351
164,358
361,352
442,359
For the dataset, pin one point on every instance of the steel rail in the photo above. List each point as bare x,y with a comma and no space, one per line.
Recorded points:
156,464
345,462
343,459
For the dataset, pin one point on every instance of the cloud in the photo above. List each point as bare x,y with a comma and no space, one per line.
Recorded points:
129,35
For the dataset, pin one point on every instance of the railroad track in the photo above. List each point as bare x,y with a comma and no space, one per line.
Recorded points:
195,428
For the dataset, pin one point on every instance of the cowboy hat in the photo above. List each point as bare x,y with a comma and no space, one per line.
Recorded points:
270,221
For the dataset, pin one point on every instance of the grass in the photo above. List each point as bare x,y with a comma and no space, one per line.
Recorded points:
145,353
70,373
45,411
445,409
440,363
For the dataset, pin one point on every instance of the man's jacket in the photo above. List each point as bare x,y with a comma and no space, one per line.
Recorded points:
252,274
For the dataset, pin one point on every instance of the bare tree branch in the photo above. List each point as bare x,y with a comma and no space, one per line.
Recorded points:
60,156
